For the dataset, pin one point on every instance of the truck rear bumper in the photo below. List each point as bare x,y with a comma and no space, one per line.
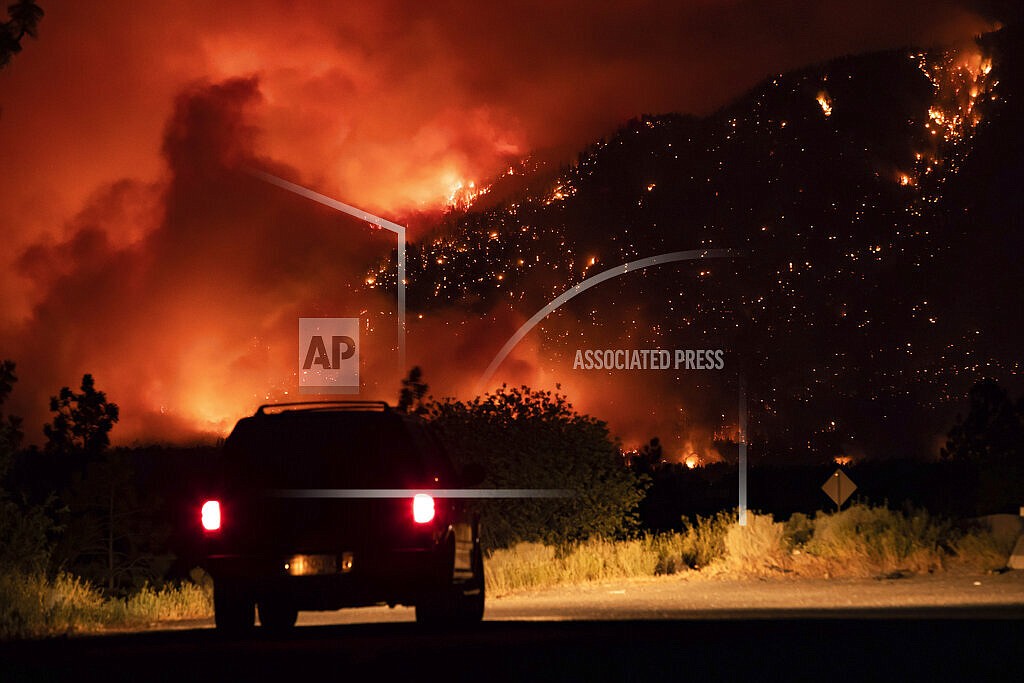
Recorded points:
395,577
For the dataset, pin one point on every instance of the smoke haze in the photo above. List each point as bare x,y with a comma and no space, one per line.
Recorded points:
137,249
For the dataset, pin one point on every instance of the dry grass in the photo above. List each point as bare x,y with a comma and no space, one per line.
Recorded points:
760,547
860,541
534,565
170,603
984,549
871,541
34,606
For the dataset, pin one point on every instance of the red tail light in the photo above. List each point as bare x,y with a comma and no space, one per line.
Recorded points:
211,515
422,508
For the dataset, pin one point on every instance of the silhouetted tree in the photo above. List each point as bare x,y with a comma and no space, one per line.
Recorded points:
108,539
24,18
112,537
82,422
991,432
526,439
648,458
414,389
991,438
25,529
10,426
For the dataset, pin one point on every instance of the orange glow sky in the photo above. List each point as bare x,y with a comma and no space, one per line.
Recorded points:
131,252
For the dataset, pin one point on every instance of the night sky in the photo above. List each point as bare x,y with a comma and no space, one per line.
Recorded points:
137,248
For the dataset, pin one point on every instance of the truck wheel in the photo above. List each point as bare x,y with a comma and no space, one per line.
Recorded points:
276,615
234,611
437,604
471,595
455,603
434,608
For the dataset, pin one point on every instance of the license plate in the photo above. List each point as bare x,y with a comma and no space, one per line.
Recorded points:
313,565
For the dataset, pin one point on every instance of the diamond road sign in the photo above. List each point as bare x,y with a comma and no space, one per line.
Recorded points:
838,487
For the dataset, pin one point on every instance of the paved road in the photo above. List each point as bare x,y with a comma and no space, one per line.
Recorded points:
910,629
686,597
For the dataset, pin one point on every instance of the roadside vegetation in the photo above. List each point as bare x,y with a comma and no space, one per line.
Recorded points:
86,531
860,541
42,535
526,439
34,605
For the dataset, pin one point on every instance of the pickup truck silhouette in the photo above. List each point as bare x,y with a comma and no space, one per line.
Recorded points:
320,506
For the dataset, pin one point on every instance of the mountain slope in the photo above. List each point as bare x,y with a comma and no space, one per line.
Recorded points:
877,200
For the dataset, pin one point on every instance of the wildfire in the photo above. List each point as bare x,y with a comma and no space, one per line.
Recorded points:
462,195
825,102
560,192
961,80
692,461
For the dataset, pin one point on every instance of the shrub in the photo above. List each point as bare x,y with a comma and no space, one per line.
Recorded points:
670,553
169,603
32,606
536,440
799,529
981,547
863,541
757,548
703,541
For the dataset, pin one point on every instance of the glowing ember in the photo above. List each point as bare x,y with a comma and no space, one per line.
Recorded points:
560,192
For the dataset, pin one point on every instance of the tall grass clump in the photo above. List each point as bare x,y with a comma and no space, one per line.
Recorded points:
32,606
760,547
169,603
864,541
35,606
535,565
985,549
703,540
671,553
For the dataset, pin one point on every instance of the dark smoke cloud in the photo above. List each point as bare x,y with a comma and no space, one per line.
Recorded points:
196,321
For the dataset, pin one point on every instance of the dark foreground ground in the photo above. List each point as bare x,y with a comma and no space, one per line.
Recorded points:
946,647
967,627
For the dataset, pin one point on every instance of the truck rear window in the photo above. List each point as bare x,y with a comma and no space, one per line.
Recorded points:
324,450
